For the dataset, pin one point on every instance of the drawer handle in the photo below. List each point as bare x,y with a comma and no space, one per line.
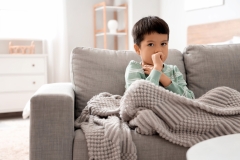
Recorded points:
33,65
34,82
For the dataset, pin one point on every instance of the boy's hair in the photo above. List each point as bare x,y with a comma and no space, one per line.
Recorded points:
148,25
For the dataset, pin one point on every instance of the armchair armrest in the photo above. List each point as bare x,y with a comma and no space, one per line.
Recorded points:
52,122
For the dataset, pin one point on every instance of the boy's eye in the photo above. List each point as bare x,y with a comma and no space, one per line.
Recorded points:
163,44
150,44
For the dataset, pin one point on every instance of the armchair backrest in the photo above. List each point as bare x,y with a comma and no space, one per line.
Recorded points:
211,66
99,70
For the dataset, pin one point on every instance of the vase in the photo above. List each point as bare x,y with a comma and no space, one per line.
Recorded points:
112,26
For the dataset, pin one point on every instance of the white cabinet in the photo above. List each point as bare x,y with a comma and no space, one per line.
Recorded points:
20,77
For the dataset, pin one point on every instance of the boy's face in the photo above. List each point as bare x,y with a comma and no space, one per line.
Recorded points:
152,44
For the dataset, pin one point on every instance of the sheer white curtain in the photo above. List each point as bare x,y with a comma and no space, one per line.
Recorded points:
57,45
39,19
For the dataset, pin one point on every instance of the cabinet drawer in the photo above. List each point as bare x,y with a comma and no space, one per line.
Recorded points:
14,83
14,102
18,65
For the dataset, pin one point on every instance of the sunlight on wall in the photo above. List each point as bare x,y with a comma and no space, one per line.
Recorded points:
27,19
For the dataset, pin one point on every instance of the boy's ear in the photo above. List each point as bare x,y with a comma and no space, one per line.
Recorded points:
137,49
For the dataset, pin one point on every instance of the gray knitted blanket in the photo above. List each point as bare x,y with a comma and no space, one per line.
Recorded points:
151,109
107,136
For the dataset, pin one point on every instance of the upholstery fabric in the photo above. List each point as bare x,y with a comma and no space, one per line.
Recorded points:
210,66
52,122
175,57
148,147
99,70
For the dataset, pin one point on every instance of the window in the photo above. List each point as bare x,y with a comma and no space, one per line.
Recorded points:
27,18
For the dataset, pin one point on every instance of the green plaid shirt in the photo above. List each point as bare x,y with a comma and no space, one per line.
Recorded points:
135,72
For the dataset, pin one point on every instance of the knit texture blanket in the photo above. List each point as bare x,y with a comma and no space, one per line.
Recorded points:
107,136
151,109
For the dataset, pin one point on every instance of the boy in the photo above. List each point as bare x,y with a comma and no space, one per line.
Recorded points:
151,35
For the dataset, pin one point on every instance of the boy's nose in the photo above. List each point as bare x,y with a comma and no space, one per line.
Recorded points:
158,49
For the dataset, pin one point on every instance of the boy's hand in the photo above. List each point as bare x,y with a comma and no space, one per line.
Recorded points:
157,61
147,69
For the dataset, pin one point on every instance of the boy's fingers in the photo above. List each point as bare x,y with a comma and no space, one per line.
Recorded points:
147,68
159,53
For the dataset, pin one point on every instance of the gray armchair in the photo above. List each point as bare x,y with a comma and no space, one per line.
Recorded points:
52,122
54,107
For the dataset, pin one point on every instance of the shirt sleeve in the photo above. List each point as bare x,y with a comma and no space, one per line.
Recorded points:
179,85
154,77
135,72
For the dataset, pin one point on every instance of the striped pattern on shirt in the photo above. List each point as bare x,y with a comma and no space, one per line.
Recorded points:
135,72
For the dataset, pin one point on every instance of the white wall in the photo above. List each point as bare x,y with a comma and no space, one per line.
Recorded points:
138,9
80,22
173,14
80,19
74,29
230,10
178,19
